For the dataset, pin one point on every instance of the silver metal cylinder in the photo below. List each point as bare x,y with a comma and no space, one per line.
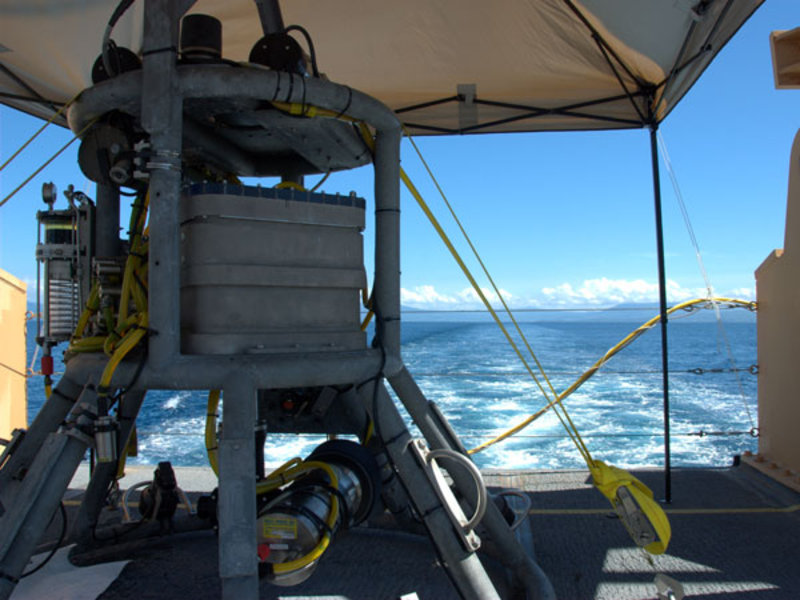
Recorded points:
105,439
292,524
62,308
57,251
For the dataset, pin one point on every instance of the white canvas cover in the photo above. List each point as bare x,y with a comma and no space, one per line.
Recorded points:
505,65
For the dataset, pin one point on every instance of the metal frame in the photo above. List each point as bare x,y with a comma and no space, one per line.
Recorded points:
38,473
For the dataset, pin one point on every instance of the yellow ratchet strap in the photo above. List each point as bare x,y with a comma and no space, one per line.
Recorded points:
643,517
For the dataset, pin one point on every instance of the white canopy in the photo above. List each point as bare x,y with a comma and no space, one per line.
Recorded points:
446,66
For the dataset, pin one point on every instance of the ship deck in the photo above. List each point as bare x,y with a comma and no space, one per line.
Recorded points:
735,534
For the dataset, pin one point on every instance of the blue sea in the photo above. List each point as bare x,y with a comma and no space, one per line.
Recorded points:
464,364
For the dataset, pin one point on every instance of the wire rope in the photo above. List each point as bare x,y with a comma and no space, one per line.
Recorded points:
556,403
47,162
39,131
709,288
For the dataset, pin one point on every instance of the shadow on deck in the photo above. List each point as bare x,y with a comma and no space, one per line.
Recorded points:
735,534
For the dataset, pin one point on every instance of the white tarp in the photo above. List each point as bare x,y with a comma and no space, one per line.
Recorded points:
558,62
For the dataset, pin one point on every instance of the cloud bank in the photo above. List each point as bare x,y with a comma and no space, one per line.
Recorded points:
601,292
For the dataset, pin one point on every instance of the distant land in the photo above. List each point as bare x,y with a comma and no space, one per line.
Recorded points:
626,312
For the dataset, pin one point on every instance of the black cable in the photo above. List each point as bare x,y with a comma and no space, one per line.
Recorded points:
107,43
61,538
312,53
349,101
135,378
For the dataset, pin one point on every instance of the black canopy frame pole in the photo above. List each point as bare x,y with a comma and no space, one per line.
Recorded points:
662,303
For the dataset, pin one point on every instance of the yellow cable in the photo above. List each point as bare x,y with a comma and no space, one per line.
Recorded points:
133,262
92,304
211,430
320,182
606,357
437,226
89,344
129,342
557,403
115,336
370,432
284,185
366,320
333,514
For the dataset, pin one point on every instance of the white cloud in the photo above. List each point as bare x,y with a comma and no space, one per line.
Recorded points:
599,292
743,293
427,297
604,292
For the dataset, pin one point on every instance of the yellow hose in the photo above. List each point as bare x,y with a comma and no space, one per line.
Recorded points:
90,344
333,514
606,357
211,430
92,304
128,343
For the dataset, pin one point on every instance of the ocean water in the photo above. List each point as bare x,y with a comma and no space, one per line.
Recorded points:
464,364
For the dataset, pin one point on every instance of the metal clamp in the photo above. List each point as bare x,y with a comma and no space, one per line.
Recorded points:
462,525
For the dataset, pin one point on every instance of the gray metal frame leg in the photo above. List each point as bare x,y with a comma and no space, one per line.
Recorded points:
104,473
525,569
24,524
463,566
107,242
238,558
50,416
38,496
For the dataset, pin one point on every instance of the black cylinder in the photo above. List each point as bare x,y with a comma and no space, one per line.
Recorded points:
201,38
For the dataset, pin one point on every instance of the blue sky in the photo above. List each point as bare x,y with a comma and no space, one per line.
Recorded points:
561,219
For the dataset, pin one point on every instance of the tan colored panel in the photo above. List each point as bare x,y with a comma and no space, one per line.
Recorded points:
529,52
13,399
778,296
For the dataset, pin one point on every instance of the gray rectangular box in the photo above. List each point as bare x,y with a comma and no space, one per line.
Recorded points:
270,270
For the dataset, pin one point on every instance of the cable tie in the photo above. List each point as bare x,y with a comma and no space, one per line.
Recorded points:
291,88
390,210
430,511
277,87
394,439
172,49
303,107
349,101
11,578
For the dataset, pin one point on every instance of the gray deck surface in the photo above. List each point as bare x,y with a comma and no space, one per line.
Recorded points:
735,534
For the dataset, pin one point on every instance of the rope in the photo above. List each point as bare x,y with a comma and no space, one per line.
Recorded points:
566,420
40,130
437,226
675,511
709,288
475,436
752,369
47,162
425,311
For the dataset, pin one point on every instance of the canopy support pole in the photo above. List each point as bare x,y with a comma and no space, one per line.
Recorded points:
662,302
